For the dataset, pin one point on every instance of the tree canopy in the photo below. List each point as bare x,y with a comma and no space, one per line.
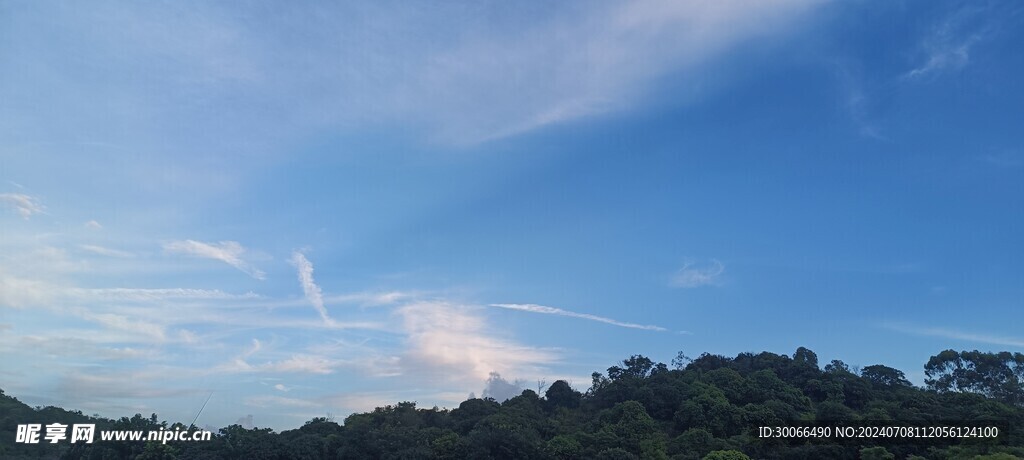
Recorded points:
704,408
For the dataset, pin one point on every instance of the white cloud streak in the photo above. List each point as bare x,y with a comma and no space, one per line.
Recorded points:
27,292
693,275
582,63
299,363
142,295
229,252
127,325
105,251
274,401
947,47
373,299
532,308
309,287
78,348
464,72
951,56
25,205
957,335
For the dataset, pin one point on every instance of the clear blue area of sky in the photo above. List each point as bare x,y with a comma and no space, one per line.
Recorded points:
310,209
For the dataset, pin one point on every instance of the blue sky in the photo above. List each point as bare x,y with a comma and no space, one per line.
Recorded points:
310,209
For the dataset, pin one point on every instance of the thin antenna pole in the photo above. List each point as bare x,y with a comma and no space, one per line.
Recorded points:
200,412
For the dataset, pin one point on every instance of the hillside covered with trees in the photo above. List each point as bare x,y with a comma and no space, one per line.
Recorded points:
705,408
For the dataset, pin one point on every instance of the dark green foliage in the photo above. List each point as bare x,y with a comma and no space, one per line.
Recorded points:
563,447
616,454
560,394
726,455
705,408
876,453
996,375
693,443
830,411
885,376
805,357
470,412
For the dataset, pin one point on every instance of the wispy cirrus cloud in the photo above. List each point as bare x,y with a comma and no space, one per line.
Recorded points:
296,363
532,308
126,324
25,205
309,287
948,45
371,298
229,252
947,56
158,294
478,76
105,251
694,275
80,348
954,334
275,401
583,63
30,292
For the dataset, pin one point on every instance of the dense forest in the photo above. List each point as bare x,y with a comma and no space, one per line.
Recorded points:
709,407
